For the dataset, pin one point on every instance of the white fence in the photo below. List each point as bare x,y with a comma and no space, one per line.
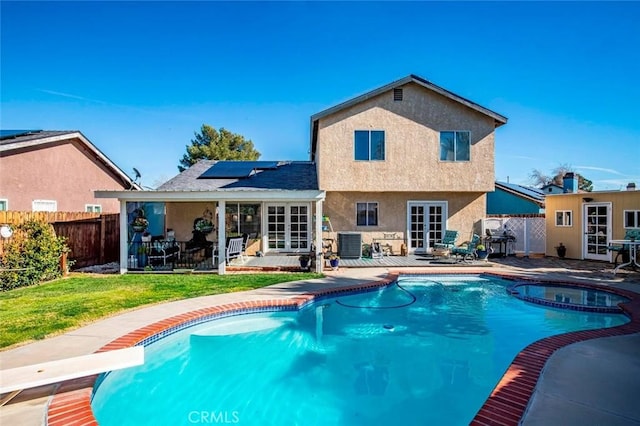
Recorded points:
529,232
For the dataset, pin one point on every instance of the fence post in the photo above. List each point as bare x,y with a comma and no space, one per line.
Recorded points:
63,264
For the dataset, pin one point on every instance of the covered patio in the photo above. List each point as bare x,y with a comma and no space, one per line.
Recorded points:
189,222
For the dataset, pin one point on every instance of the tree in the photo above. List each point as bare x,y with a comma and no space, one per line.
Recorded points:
539,179
212,144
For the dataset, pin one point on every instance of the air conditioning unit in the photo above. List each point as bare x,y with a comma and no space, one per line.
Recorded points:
349,245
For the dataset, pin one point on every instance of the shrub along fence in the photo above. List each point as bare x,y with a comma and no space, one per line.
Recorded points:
92,238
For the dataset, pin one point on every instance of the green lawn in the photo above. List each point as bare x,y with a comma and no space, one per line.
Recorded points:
33,313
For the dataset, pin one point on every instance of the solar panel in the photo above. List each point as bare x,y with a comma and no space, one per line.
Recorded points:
236,169
6,134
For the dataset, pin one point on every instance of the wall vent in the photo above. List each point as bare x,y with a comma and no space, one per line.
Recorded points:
397,94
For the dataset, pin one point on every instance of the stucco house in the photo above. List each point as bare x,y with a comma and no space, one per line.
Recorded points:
585,222
514,199
56,171
403,162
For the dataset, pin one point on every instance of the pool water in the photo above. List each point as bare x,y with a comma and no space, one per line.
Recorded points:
427,350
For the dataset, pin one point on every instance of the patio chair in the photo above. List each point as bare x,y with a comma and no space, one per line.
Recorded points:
233,249
623,250
467,251
448,241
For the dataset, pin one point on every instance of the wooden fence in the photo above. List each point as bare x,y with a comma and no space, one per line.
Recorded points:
92,238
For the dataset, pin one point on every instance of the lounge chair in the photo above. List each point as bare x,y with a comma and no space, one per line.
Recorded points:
467,251
447,243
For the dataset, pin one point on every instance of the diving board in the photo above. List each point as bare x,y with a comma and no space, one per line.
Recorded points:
46,373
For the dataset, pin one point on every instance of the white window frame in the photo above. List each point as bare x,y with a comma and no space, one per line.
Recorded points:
36,208
93,208
369,132
636,218
5,202
455,146
377,204
566,218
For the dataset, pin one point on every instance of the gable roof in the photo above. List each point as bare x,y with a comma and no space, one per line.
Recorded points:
499,119
25,139
531,194
277,176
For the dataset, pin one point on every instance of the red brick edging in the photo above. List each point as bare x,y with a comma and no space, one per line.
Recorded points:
71,403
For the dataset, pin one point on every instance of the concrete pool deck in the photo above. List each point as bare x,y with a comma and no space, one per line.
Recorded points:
591,382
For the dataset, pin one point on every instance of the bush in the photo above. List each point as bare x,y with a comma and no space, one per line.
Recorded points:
32,256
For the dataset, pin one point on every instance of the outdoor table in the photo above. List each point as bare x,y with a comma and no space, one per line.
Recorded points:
633,250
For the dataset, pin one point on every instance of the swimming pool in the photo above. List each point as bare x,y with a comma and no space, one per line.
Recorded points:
426,350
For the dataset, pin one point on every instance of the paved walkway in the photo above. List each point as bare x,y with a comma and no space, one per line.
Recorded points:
593,382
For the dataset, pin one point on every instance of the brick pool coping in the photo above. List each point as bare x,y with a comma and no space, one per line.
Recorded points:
71,402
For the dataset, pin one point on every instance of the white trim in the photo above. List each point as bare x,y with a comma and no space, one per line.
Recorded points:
232,195
93,208
624,218
6,204
445,215
596,256
564,218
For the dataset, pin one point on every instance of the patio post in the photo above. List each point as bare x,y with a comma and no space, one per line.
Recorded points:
318,239
222,261
124,227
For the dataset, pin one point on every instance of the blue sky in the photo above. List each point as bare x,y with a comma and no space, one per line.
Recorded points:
139,78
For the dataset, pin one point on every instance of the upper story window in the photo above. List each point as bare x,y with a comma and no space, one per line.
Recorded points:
44,205
93,208
455,146
367,214
563,218
4,204
369,145
631,218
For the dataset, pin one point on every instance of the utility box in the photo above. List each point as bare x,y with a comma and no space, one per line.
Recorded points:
349,245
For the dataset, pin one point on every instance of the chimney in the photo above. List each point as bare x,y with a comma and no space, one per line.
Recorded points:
570,183
631,186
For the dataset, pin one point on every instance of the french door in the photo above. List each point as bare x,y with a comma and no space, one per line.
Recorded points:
596,220
426,222
288,227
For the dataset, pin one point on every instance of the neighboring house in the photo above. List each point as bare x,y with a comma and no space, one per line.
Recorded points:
552,188
56,171
513,199
405,161
409,159
569,185
585,222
